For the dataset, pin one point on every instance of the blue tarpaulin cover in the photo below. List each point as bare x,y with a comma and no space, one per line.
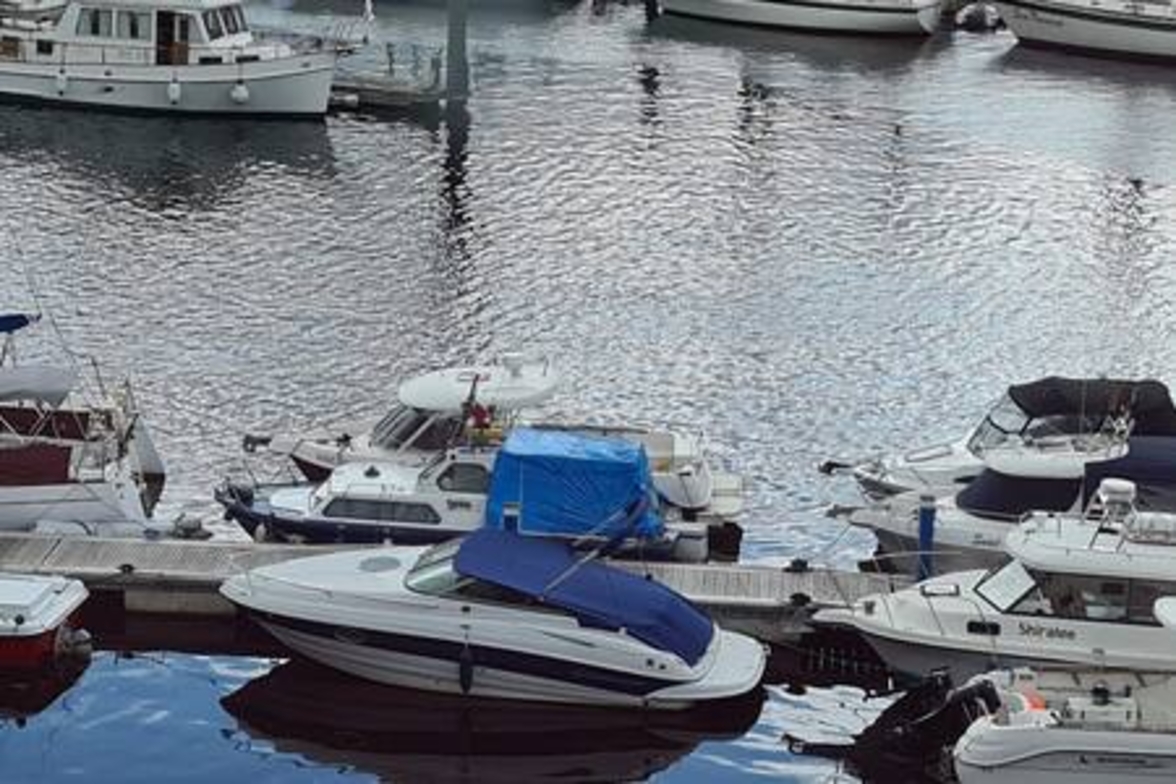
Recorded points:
554,482
596,594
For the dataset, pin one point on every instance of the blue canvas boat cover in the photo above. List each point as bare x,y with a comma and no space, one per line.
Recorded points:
551,482
12,322
596,594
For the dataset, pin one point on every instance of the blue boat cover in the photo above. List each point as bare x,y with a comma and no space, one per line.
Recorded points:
11,322
559,483
596,594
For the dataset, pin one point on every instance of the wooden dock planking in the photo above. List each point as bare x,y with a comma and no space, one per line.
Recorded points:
180,577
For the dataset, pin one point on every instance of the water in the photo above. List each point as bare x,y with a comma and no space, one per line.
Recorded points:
806,246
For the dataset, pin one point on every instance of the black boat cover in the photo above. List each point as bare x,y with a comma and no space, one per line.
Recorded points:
1147,400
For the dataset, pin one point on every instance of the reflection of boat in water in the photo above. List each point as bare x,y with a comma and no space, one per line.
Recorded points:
162,160
25,694
402,735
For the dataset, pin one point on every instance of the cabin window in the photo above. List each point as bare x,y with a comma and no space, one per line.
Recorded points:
44,47
464,478
230,19
1004,587
212,23
96,22
381,511
1141,598
134,25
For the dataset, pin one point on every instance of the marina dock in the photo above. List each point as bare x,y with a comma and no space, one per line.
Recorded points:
181,578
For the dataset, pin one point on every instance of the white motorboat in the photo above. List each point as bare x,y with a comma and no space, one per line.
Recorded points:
478,405
64,462
1116,27
539,482
874,17
967,530
36,617
171,56
1055,727
503,616
1054,419
1077,591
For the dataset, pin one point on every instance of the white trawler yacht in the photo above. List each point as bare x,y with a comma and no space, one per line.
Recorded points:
1078,590
1123,28
191,56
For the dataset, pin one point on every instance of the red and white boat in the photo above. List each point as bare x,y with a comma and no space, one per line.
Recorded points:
37,619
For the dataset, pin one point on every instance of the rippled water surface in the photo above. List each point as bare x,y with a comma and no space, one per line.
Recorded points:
806,246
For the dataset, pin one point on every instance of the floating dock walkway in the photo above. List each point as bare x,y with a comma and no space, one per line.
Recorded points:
182,577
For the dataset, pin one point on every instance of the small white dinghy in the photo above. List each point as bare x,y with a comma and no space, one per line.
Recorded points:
36,619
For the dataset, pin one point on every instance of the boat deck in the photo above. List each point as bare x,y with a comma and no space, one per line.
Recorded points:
181,577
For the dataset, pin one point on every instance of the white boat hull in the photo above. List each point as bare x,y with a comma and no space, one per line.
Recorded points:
880,17
298,85
993,754
1121,28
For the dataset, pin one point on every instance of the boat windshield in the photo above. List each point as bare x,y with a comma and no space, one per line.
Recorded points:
1004,587
405,426
433,573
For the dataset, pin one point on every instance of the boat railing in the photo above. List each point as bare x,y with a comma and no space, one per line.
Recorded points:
129,54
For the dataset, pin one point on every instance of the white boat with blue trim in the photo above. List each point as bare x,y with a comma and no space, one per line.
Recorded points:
502,616
873,17
171,56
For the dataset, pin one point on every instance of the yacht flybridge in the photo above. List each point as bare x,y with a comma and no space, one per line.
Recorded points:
174,56
502,616
1078,590
1064,421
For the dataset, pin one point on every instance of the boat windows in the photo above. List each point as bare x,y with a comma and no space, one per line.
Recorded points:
1015,590
212,23
1005,586
234,19
382,511
96,22
464,478
397,425
44,47
134,25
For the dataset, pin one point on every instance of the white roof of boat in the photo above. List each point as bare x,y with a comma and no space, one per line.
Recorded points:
373,480
31,604
153,5
510,385
41,383
1072,545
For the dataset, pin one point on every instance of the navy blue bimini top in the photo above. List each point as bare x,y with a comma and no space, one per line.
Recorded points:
596,594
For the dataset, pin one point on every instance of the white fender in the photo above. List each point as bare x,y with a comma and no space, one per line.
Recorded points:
61,81
239,93
173,91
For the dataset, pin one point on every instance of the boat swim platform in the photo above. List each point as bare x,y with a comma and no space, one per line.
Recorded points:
180,577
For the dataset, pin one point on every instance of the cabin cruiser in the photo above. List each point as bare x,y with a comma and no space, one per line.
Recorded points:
921,534
1077,591
478,405
170,56
66,463
504,616
1120,27
1053,419
539,482
394,734
1049,727
877,17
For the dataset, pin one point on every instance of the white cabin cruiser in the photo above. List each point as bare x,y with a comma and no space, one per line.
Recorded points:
74,464
874,17
479,405
1078,591
1055,727
539,482
170,56
1121,27
967,530
502,616
1053,419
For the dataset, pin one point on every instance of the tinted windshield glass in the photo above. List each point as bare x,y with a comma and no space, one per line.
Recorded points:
1003,587
396,426
433,572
